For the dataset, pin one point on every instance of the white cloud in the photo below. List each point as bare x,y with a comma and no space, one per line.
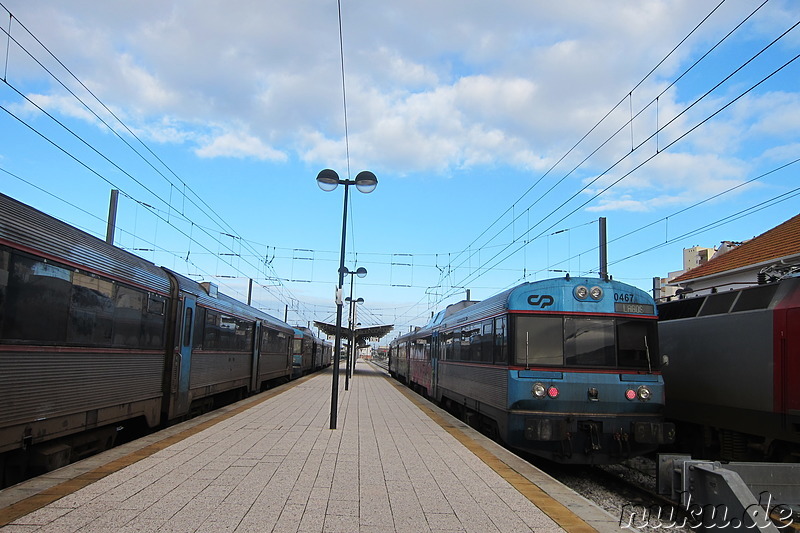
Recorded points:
238,144
431,87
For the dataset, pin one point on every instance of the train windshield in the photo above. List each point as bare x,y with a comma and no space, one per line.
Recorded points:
586,342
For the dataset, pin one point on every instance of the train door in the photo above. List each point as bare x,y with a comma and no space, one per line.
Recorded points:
254,385
314,356
434,347
185,365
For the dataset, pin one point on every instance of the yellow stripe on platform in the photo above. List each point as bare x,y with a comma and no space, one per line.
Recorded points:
557,511
56,492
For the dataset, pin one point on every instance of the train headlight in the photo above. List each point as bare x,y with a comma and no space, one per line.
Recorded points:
552,391
630,394
538,390
581,292
596,293
644,393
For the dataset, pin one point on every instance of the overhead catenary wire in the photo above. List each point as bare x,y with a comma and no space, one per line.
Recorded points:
638,166
206,211
598,123
646,140
659,128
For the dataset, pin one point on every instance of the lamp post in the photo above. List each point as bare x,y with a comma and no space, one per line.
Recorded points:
360,272
352,326
328,180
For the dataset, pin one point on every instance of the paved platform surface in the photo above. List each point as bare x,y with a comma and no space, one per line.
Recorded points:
271,463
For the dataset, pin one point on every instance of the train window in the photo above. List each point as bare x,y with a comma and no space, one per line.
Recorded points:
487,342
758,297
153,323
187,327
447,345
227,333
500,356
91,313
274,341
717,304
472,335
37,293
589,342
455,354
461,346
156,305
211,331
680,308
538,340
239,334
199,328
637,344
420,349
128,309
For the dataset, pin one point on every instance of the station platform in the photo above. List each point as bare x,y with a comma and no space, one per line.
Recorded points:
270,463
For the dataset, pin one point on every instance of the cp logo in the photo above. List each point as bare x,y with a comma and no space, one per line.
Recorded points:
544,300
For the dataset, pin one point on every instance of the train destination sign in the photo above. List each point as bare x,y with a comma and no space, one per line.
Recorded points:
633,309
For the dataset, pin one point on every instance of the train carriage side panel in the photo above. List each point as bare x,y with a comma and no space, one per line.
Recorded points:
275,353
82,331
474,383
747,339
224,347
419,364
705,359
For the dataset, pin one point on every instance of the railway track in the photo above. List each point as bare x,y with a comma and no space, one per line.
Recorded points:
626,490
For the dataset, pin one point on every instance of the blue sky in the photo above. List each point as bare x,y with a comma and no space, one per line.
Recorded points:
499,132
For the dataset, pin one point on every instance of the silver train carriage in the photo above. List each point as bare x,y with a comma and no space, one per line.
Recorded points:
94,340
567,369
309,352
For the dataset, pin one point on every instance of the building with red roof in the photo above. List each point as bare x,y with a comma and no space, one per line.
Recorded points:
772,253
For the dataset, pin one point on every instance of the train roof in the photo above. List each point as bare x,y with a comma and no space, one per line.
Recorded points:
776,294
303,331
208,296
24,226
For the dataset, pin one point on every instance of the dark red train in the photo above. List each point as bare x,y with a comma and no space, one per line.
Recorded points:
733,378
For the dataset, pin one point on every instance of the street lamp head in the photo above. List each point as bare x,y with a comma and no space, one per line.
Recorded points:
360,271
328,180
365,181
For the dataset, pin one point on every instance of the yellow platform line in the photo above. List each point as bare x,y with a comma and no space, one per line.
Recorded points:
47,496
557,511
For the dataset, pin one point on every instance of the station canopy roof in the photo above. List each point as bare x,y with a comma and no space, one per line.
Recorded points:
363,335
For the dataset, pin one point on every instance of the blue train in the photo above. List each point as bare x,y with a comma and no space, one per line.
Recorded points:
567,369
98,345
